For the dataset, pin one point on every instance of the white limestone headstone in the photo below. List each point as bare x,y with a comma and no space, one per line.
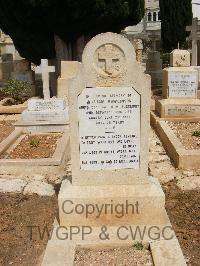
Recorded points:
109,114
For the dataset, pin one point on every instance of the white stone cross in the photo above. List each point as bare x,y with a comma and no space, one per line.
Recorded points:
45,69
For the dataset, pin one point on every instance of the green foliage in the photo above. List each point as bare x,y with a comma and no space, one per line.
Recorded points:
175,16
34,143
17,89
196,134
33,23
138,246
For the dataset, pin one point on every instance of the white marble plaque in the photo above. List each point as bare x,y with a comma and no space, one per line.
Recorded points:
46,105
109,128
183,110
183,84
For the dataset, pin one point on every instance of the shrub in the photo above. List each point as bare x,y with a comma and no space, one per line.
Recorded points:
34,142
17,89
196,134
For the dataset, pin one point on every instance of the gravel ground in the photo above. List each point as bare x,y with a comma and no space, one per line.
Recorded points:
113,257
6,127
184,132
34,146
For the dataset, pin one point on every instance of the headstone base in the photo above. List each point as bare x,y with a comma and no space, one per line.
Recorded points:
119,205
173,108
46,116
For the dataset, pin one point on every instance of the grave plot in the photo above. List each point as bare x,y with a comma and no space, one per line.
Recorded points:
176,117
109,104
33,146
34,151
133,255
6,128
181,140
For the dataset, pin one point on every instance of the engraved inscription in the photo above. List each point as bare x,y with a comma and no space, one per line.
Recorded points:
183,110
182,85
109,128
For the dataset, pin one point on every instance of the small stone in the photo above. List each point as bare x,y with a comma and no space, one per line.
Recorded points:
39,188
188,173
189,183
39,177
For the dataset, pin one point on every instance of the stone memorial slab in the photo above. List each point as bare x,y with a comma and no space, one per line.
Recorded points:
183,84
111,139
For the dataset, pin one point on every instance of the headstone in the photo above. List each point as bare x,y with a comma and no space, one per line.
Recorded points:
47,110
68,71
180,85
109,105
154,69
180,58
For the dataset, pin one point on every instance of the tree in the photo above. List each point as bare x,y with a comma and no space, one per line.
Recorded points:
33,24
175,16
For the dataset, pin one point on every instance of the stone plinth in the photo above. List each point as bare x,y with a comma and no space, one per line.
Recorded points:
136,200
167,108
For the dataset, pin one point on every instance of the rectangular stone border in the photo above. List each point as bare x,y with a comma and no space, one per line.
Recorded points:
62,252
182,158
154,119
56,160
13,109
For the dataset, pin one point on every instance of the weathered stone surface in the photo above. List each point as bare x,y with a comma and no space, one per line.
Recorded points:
167,252
149,196
180,58
189,183
50,116
39,188
12,185
178,108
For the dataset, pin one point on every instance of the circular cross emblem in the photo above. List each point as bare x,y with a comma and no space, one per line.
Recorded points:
109,60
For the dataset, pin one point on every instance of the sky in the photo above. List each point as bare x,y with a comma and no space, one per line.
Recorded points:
196,8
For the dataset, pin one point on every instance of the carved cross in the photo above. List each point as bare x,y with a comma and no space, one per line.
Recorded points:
45,69
109,55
